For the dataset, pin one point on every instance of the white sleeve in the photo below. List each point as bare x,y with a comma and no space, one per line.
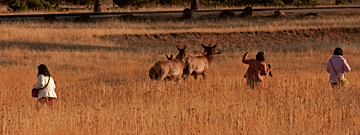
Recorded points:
40,82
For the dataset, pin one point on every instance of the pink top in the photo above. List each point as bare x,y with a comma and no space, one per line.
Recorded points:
340,66
252,72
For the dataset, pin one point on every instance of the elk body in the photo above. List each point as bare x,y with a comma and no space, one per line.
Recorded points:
192,54
152,72
199,65
171,69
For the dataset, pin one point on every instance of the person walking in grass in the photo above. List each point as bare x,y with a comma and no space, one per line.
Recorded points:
256,71
46,87
337,66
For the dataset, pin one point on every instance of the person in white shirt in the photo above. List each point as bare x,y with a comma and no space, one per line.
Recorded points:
46,86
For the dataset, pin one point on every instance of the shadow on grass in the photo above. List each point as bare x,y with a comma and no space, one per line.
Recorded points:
60,47
163,49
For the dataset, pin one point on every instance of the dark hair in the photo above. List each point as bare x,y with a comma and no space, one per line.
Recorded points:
43,70
338,51
260,56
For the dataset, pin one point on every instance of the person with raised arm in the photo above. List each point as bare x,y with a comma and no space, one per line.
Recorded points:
256,71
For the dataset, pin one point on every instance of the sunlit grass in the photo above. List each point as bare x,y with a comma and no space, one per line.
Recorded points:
109,92
102,92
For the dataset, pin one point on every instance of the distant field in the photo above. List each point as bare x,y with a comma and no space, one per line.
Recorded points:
89,33
101,73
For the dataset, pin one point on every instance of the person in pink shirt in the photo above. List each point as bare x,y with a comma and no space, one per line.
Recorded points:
256,71
340,65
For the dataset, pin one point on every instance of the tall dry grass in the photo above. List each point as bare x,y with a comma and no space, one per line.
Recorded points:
109,92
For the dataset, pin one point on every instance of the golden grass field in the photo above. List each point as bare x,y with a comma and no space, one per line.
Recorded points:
103,85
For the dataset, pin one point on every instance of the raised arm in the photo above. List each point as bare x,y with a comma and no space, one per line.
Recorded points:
244,59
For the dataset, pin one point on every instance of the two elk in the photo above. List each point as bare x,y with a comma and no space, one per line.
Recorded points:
199,65
170,69
185,64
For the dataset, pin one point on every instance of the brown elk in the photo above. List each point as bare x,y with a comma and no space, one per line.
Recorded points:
171,69
152,73
199,65
192,54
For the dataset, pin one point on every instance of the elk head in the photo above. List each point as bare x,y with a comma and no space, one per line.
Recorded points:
182,53
210,50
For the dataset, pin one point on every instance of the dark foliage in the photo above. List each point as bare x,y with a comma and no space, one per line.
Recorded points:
81,2
19,5
214,3
306,3
343,2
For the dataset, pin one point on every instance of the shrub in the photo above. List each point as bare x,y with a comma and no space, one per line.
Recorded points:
17,5
133,3
82,2
242,2
20,5
39,5
53,2
142,3
276,3
306,3
170,2
343,2
340,2
122,3
287,2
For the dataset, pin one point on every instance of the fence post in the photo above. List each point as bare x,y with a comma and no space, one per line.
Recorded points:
97,6
194,4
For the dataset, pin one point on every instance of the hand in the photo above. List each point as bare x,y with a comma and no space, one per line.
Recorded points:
270,71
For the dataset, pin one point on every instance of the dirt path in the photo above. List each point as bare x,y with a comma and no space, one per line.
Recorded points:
240,39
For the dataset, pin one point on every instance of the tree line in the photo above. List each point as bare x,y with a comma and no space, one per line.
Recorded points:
18,5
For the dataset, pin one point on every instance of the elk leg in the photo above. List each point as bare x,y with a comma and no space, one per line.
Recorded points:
187,73
204,74
195,77
163,74
177,79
